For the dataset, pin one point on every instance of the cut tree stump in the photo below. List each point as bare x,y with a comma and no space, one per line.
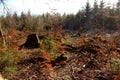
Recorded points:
32,41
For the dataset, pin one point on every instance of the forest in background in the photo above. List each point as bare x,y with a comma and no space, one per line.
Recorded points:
61,47
89,19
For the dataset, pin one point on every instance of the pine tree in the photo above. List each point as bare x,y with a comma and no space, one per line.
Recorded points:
23,21
87,11
101,13
95,8
15,20
102,5
118,7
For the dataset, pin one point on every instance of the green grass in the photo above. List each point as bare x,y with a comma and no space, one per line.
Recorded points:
7,62
114,65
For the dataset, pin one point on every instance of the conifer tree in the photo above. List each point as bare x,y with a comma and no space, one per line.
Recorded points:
23,21
87,11
95,8
101,13
15,20
118,8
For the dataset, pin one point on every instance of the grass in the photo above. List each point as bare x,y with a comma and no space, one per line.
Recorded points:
8,65
114,65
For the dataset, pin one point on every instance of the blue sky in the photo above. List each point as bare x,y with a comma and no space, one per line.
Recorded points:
43,6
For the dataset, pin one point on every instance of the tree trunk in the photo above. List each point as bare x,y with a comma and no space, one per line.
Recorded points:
3,37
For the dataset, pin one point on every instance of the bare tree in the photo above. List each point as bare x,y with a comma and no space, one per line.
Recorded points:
2,2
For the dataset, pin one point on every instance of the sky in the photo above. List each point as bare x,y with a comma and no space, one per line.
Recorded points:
44,6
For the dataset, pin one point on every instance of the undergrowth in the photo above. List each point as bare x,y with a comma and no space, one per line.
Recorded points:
93,52
7,62
114,65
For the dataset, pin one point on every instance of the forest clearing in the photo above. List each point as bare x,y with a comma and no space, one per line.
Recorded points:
51,46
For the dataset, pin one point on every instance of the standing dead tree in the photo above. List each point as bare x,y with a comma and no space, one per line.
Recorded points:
1,30
1,34
2,2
